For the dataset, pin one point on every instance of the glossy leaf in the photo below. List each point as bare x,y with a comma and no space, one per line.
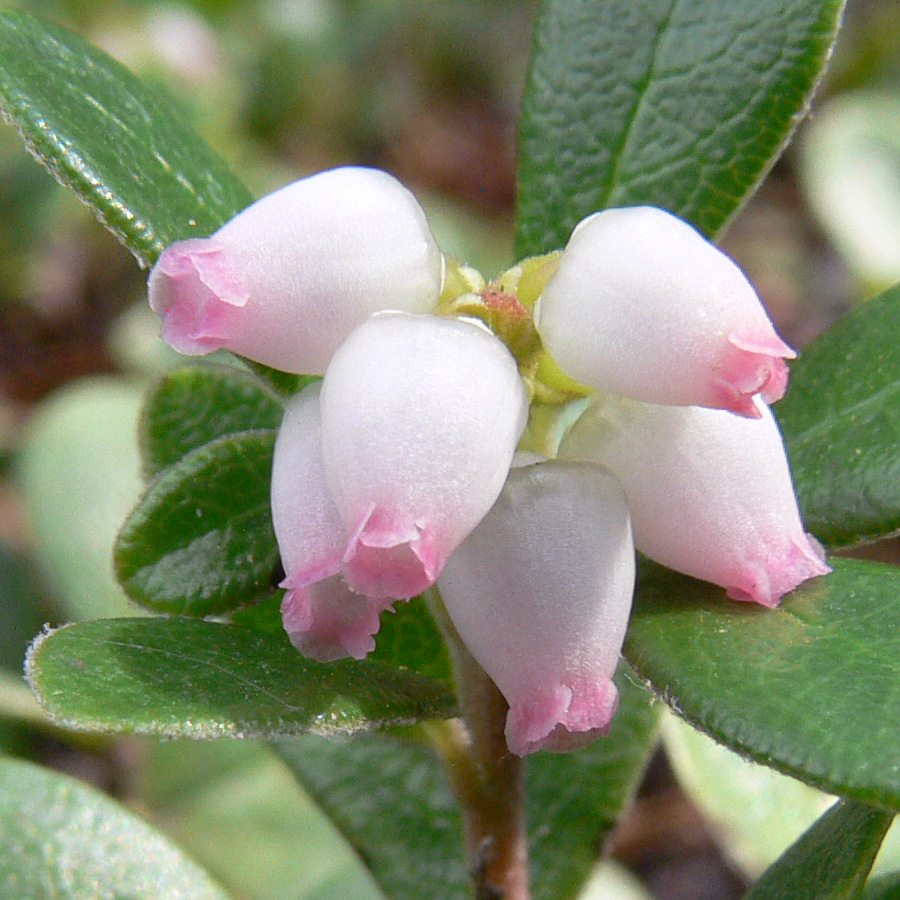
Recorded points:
187,678
192,406
60,838
201,539
683,105
841,421
407,638
391,801
831,860
811,688
574,800
120,146
264,616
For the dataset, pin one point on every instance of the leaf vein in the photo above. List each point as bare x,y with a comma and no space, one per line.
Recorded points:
641,93
206,663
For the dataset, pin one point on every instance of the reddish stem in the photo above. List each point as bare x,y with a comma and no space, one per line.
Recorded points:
486,777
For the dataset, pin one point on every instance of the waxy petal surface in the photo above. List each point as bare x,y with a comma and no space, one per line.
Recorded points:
420,420
540,593
311,536
287,280
644,306
327,621
710,493
322,616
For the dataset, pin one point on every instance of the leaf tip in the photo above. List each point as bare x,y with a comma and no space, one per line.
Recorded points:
31,669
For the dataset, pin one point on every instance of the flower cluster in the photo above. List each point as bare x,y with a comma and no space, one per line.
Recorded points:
399,469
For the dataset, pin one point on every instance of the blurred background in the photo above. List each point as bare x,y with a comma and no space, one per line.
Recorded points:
430,90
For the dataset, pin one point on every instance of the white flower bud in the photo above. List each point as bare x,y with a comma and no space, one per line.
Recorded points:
644,306
710,493
540,593
286,281
420,420
323,618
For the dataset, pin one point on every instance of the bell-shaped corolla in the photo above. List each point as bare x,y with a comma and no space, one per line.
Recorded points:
420,420
710,493
322,616
540,593
644,306
286,281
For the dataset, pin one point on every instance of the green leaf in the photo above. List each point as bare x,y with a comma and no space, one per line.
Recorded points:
201,539
80,475
831,860
285,383
755,812
185,678
841,421
575,800
409,637
264,616
811,689
391,801
121,147
192,406
61,839
887,887
20,617
683,104
238,810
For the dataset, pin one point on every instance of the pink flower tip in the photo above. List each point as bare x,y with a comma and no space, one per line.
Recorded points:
766,581
563,718
387,557
195,294
642,305
327,621
288,279
756,367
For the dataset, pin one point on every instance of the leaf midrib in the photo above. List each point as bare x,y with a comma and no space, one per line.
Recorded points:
620,151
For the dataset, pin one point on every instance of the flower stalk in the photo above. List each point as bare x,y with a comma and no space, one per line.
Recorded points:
486,778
